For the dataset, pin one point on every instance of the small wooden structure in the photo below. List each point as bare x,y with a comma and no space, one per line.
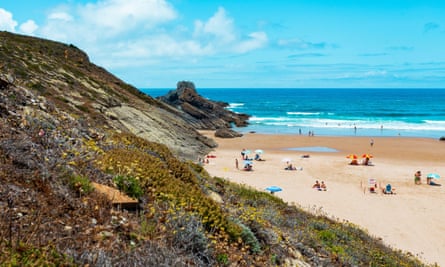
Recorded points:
118,199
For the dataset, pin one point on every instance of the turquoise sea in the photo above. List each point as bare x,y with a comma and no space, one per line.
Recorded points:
335,112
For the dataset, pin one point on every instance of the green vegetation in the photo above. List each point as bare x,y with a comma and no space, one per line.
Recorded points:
51,216
248,228
263,221
129,185
24,255
81,184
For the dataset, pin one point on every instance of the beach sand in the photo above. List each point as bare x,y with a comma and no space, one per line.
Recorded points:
412,220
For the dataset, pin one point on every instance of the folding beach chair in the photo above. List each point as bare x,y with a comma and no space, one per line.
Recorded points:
388,189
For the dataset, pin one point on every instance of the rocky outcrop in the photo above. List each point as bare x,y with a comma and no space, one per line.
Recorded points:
227,133
202,113
69,81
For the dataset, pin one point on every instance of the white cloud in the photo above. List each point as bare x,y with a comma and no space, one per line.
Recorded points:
220,30
220,26
143,28
7,23
108,21
127,34
257,40
60,16
300,44
359,72
28,27
122,15
376,73
161,46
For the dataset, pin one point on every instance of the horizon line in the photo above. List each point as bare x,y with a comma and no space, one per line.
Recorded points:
312,88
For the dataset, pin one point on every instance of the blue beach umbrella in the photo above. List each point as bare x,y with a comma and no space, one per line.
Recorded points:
274,189
433,175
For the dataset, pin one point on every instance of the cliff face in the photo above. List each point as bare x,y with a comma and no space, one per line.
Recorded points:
200,112
62,76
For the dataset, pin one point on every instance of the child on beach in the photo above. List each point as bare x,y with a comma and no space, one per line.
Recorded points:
417,177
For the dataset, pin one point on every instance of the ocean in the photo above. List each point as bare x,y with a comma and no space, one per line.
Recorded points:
335,112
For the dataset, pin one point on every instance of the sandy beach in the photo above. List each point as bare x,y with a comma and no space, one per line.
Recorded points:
411,220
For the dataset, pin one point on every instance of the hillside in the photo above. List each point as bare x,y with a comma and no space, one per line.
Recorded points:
67,125
61,74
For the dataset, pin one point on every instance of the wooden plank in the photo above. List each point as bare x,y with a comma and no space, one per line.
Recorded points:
114,195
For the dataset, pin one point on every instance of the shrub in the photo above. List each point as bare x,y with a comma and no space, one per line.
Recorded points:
223,259
250,239
129,185
189,235
81,184
27,255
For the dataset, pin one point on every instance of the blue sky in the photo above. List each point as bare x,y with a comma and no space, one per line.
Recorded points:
220,44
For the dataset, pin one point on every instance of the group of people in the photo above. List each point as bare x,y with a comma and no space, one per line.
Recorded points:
429,180
206,159
319,186
245,155
366,161
290,167
248,166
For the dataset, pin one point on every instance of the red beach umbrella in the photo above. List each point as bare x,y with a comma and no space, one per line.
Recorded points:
351,156
367,156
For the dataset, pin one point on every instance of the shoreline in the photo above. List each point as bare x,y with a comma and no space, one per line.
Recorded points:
403,221
340,132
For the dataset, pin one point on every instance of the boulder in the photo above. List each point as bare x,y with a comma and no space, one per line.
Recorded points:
227,133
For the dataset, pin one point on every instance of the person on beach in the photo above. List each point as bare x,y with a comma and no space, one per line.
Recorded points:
371,142
366,161
417,177
247,167
373,188
290,167
243,154
258,157
323,186
354,162
236,164
429,181
317,185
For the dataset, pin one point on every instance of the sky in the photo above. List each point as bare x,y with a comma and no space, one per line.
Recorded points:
249,43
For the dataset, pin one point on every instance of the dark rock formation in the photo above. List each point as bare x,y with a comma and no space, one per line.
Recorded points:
200,112
227,133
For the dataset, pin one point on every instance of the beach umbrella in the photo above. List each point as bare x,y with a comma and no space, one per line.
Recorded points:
367,156
259,151
351,156
433,175
246,152
248,162
274,189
